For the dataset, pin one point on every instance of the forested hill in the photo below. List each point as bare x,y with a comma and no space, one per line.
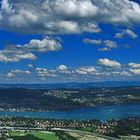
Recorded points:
65,99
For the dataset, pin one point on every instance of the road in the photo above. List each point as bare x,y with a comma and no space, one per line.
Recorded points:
86,133
57,129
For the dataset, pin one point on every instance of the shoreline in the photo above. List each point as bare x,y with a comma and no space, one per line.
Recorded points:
102,113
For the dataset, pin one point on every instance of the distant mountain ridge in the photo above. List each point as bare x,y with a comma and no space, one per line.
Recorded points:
72,85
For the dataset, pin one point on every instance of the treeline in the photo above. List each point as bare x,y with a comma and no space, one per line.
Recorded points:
64,136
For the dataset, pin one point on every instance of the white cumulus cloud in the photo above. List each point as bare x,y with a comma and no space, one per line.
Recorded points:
66,16
108,44
108,63
134,65
14,73
126,32
17,53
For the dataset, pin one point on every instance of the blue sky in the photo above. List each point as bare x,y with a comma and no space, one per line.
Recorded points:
86,41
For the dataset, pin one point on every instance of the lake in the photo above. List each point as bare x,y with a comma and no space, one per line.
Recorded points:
102,113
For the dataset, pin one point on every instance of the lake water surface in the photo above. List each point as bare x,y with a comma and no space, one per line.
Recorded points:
102,113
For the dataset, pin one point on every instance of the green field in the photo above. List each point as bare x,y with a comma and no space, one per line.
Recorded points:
35,135
88,129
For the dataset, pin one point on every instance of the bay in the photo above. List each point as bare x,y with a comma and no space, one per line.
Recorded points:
102,113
